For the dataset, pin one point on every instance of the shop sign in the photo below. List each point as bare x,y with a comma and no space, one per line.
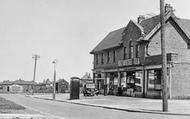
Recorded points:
128,62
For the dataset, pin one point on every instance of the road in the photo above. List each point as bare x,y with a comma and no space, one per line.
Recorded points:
73,111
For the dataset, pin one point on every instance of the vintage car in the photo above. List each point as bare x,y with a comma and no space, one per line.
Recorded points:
90,90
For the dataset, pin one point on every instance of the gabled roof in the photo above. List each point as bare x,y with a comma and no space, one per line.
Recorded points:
184,25
148,27
149,23
113,39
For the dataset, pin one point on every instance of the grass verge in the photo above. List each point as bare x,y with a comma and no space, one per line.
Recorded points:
9,106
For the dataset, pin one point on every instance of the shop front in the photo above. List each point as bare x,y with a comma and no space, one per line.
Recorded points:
112,83
153,83
99,78
134,80
132,83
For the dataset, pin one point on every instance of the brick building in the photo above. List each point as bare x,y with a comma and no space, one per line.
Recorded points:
128,60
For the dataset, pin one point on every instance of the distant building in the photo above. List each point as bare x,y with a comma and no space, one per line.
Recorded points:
18,86
129,59
85,79
62,86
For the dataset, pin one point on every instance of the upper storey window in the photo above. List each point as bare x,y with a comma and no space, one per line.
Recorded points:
131,49
102,58
96,58
124,53
137,50
108,57
114,55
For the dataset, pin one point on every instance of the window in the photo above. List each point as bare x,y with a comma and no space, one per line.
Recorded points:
108,57
96,58
131,49
146,51
138,81
124,53
102,58
154,80
114,56
137,50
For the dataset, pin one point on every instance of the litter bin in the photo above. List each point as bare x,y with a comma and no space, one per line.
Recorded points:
74,88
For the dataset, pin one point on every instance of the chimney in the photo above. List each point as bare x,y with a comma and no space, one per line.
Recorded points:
140,18
168,8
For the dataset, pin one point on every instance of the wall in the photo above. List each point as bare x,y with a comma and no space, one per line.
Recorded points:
132,33
111,64
4,90
175,42
180,81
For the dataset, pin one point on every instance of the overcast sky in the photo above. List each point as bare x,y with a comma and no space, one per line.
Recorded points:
66,30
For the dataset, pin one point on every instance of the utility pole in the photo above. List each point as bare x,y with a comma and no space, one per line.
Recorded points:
54,81
164,60
35,57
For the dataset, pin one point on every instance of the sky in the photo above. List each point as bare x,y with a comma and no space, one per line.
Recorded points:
66,30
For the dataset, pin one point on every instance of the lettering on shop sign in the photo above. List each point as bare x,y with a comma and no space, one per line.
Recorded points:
128,62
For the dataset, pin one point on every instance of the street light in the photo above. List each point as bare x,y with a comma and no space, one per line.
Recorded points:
54,62
35,57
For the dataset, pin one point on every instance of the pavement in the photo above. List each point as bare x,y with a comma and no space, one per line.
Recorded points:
130,104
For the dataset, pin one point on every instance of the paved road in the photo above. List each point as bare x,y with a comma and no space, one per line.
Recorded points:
73,111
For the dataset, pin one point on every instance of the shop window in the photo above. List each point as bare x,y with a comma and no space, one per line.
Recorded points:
131,49
113,83
138,81
123,79
154,80
131,80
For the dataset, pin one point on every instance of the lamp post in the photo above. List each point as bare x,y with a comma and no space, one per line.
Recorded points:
54,81
35,57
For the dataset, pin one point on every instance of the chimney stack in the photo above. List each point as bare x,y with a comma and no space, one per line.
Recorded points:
140,18
168,8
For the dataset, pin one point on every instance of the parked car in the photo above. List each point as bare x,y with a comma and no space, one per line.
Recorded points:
90,90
